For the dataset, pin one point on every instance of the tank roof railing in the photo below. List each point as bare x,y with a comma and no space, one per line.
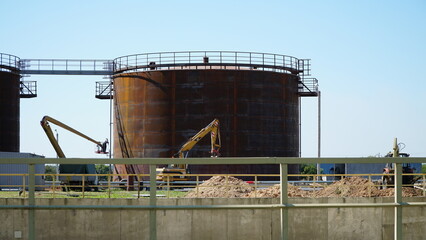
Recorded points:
159,61
9,63
211,60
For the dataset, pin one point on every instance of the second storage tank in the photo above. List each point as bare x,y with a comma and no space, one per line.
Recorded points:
159,106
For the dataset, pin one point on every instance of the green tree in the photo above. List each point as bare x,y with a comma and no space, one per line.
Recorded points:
424,168
102,169
308,169
49,169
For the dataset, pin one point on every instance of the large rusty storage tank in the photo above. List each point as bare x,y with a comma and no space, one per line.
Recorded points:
163,99
9,103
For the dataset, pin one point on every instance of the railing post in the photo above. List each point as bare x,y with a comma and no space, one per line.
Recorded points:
168,185
152,202
284,201
196,185
139,185
82,185
398,199
255,186
23,186
31,201
53,185
275,62
227,187
109,185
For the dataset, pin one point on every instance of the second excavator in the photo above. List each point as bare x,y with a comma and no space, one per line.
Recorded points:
176,172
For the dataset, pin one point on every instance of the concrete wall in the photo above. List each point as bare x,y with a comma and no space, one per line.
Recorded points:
323,223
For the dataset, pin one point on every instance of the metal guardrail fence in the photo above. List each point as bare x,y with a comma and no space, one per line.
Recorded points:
104,90
9,62
28,89
209,60
66,66
284,206
308,87
53,187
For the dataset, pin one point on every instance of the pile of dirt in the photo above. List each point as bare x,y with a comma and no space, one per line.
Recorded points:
231,187
348,187
221,186
406,192
275,192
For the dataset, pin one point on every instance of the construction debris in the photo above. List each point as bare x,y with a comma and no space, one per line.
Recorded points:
230,187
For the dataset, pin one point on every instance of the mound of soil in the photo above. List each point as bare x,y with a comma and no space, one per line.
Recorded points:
349,187
231,187
221,187
275,192
406,192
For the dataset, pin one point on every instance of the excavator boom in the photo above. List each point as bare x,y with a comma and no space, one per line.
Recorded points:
72,168
167,174
213,129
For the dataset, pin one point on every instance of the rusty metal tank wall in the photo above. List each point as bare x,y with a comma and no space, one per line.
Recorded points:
9,111
258,111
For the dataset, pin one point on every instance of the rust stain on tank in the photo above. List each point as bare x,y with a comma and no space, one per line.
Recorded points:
258,112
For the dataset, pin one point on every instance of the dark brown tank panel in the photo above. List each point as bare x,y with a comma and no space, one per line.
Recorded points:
160,110
9,112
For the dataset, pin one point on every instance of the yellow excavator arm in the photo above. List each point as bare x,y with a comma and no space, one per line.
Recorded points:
176,173
213,129
46,127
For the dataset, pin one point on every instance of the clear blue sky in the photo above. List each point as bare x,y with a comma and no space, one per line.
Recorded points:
369,57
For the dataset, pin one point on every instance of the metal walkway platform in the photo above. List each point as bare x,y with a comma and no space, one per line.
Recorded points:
66,67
